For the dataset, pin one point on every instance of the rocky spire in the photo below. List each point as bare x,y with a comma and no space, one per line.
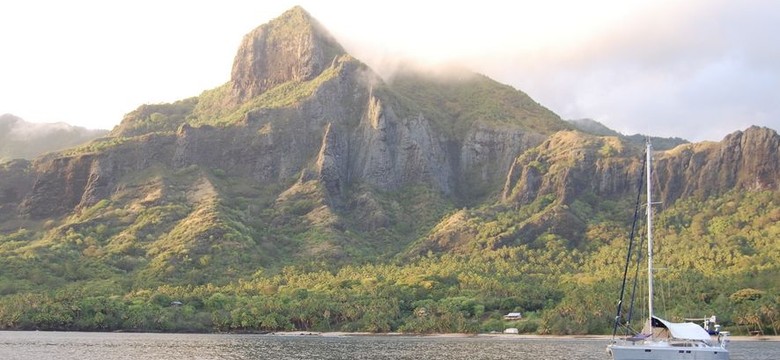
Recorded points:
293,46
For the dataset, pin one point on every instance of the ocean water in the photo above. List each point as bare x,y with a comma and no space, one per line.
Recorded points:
115,346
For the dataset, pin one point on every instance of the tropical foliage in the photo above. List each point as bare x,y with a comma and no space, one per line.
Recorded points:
162,227
720,258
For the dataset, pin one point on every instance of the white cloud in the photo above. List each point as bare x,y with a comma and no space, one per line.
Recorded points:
698,69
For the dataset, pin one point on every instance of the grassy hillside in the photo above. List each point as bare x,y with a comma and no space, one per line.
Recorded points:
242,255
719,255
307,193
456,102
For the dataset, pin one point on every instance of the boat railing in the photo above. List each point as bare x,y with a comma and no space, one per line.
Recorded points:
723,339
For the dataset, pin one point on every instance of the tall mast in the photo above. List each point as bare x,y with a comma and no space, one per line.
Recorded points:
649,162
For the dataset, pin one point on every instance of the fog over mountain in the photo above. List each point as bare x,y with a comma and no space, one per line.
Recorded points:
26,140
697,69
309,193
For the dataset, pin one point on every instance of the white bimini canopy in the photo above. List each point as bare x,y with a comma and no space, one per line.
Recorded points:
683,331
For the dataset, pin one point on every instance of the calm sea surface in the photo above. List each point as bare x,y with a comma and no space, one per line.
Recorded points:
113,346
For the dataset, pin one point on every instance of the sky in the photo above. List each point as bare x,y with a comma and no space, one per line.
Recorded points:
696,69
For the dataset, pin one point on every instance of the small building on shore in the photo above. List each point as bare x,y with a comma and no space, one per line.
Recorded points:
513,316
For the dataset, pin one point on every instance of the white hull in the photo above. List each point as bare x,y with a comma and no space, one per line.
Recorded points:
665,351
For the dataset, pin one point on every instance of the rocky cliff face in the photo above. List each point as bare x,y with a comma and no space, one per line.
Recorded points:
391,151
560,183
747,160
570,164
15,183
64,184
321,135
352,129
488,153
293,47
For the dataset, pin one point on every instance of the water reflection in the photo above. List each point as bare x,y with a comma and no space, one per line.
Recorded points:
116,346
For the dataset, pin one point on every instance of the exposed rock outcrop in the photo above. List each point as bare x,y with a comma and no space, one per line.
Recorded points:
488,153
332,162
570,164
559,183
63,184
16,179
747,159
312,136
292,47
390,151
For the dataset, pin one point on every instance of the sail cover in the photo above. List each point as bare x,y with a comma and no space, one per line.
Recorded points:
683,331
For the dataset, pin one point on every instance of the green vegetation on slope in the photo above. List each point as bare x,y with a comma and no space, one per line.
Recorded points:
214,108
455,104
178,245
719,254
155,118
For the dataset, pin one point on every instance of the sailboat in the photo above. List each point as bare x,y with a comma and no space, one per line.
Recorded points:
661,339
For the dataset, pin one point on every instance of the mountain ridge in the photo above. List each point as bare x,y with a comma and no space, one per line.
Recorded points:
466,139
306,163
596,128
20,139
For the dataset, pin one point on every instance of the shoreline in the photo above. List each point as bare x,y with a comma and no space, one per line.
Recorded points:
771,338
500,336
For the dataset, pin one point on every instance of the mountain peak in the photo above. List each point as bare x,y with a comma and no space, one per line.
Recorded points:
292,47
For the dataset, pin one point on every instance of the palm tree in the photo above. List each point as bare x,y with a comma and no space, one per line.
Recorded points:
770,312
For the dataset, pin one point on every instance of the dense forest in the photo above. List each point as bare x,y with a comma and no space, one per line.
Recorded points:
308,193
719,259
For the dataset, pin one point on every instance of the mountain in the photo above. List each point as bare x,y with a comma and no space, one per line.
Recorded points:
331,125
594,127
309,193
571,175
23,140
